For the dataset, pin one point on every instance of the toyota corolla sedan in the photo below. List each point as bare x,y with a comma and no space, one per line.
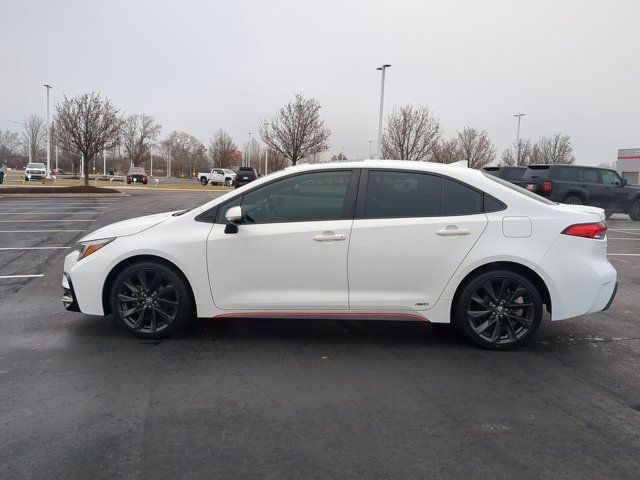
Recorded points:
376,240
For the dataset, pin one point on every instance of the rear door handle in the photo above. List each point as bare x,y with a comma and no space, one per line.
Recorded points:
329,237
453,231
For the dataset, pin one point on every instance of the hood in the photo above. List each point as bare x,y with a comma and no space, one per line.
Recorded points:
583,209
128,227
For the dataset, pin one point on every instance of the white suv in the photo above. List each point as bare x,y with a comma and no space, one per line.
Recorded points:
367,240
35,171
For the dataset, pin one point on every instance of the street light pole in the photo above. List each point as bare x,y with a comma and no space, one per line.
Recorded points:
519,115
249,152
370,149
48,87
382,68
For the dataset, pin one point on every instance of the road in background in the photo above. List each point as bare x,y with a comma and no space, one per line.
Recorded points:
81,398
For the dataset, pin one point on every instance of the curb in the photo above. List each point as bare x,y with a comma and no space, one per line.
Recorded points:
70,195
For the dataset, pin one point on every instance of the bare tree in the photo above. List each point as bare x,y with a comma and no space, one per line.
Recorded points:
509,156
475,147
187,154
138,134
410,134
87,125
446,151
536,155
222,149
35,131
276,161
296,131
9,141
556,149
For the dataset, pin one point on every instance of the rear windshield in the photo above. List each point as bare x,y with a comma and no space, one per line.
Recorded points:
536,171
136,170
519,189
513,173
246,169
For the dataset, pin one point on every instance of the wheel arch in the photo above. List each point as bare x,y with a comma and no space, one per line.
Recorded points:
575,193
523,270
113,273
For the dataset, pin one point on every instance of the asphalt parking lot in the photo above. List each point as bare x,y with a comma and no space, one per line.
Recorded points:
81,398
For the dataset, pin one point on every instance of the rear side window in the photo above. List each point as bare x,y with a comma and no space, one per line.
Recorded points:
459,199
588,175
566,174
536,171
400,194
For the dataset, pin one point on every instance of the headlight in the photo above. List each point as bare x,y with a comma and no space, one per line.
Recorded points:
87,248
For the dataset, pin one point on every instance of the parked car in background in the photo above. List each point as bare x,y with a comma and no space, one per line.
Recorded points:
582,185
35,171
138,174
245,175
317,241
58,171
217,176
510,174
3,172
229,176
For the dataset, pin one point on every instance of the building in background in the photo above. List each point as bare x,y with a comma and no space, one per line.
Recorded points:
628,164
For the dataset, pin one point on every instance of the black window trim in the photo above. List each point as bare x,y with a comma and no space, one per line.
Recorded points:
212,216
362,194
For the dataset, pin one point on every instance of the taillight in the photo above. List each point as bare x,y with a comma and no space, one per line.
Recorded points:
587,230
547,187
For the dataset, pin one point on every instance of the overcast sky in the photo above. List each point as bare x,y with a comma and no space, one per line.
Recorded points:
571,66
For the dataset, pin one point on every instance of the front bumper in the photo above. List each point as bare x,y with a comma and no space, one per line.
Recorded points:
68,296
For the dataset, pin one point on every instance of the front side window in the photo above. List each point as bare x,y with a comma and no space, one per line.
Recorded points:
300,198
610,178
397,194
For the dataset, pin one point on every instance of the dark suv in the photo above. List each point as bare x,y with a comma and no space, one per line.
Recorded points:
510,174
245,175
579,185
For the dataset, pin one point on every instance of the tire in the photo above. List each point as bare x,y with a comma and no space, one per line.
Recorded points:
607,213
573,200
483,310
634,210
151,300
204,181
26,179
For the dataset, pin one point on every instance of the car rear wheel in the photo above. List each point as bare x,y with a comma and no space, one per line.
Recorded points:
151,300
204,181
499,310
573,200
634,211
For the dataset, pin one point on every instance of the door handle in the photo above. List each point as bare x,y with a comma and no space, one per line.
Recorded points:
451,231
329,237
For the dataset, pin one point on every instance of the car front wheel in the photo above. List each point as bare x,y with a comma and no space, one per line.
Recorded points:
151,300
499,310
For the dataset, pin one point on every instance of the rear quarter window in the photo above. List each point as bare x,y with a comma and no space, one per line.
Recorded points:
535,171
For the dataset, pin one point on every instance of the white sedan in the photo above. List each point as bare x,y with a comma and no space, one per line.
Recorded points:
376,240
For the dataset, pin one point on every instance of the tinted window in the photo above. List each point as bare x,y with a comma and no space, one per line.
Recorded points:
492,205
459,199
513,174
567,174
536,171
609,177
521,190
588,175
301,198
402,194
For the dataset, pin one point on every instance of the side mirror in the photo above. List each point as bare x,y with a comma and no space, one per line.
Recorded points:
234,217
624,182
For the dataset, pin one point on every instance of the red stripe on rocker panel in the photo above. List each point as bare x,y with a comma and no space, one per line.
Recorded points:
320,315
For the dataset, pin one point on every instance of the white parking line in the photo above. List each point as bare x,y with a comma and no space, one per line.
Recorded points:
33,248
21,276
44,231
52,213
620,238
624,254
622,229
33,221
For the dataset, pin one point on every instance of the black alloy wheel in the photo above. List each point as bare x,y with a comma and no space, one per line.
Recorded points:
151,300
499,310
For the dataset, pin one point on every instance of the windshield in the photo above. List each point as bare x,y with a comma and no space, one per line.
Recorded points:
35,165
518,189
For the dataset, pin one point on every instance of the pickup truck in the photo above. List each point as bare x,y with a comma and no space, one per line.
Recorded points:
217,176
35,171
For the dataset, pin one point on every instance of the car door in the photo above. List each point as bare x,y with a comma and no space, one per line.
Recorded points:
290,251
615,195
411,232
590,183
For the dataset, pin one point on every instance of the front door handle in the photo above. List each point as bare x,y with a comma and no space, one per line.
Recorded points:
452,230
329,237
